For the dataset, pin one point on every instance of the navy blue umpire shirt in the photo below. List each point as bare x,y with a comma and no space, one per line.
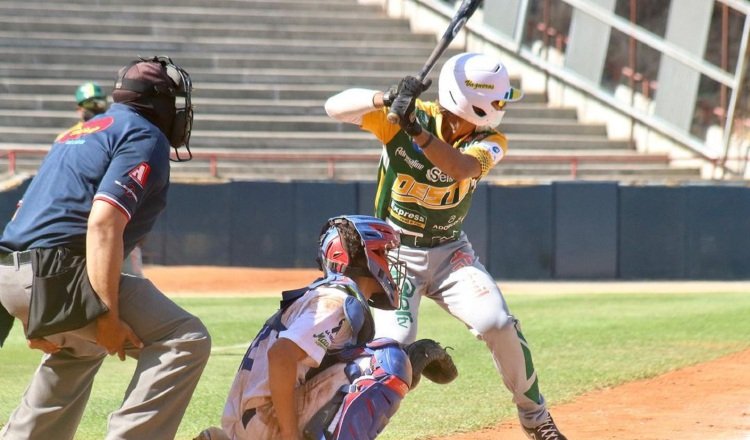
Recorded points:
118,157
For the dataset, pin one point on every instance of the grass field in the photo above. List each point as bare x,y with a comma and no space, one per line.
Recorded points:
580,342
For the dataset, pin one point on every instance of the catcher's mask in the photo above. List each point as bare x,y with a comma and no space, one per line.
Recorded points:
376,238
175,82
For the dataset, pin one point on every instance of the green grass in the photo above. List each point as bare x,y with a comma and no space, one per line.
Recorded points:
579,343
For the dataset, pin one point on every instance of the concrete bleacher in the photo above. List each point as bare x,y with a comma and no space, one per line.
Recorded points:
262,70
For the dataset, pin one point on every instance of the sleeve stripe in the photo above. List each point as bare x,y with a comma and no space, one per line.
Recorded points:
112,201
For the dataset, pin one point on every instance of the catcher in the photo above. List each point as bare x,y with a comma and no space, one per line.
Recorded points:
313,371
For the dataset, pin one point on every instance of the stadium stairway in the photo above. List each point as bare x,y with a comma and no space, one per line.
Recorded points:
262,70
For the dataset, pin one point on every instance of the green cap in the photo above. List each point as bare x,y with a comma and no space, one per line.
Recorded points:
89,90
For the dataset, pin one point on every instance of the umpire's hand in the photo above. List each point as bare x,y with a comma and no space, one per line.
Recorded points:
113,334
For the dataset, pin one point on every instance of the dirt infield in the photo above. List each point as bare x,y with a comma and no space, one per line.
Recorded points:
708,401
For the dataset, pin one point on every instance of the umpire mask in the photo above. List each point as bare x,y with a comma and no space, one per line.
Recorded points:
161,91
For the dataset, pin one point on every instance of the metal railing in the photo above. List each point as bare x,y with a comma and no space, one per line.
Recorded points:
215,159
477,31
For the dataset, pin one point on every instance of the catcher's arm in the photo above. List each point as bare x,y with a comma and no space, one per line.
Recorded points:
430,360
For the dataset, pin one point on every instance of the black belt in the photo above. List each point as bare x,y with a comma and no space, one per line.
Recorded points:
13,258
422,242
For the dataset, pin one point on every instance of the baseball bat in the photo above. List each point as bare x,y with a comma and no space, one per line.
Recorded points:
462,15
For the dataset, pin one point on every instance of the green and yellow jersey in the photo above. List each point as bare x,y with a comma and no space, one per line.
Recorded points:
425,203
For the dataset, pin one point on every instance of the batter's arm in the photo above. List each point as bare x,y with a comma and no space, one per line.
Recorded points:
351,105
104,255
453,162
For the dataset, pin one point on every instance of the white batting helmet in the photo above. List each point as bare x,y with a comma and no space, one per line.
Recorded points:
476,87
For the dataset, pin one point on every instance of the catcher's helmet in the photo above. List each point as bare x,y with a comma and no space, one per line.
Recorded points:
376,239
159,78
90,96
476,87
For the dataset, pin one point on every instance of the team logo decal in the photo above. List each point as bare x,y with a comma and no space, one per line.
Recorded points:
88,127
461,259
325,338
140,174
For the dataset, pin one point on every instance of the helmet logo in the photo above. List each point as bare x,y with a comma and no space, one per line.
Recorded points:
473,85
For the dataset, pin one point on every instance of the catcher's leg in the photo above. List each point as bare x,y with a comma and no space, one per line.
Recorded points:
362,410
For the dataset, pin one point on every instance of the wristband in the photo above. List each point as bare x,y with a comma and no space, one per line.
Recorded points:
427,144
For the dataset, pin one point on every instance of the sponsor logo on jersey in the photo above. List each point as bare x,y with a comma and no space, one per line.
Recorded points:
496,152
140,174
407,217
473,85
453,221
325,338
88,127
413,163
406,189
435,174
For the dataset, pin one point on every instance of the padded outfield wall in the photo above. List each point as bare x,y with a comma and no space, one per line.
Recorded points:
566,230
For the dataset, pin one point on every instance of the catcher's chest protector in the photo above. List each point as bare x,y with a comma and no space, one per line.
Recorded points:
356,310
361,411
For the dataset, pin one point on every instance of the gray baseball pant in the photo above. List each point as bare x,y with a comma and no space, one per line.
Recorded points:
452,276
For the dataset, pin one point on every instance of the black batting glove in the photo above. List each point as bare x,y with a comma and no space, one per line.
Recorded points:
403,105
410,125
389,95
412,86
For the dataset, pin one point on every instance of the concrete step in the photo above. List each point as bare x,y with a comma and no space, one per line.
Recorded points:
332,6
354,18
378,79
9,101
112,27
269,91
287,123
261,4
147,44
117,58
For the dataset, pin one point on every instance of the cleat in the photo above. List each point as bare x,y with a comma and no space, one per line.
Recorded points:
546,431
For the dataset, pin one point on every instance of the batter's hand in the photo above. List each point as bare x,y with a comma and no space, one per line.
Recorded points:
112,333
402,107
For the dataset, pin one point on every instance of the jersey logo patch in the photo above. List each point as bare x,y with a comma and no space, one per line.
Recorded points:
88,127
140,174
461,259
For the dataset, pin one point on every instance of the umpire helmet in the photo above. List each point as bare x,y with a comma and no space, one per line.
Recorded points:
365,253
152,85
475,87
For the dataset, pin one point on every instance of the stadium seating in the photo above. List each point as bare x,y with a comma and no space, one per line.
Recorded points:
262,70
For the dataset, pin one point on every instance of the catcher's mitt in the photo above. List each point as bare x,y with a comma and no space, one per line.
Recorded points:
428,358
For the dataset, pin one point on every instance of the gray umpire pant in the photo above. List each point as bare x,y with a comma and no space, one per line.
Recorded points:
176,349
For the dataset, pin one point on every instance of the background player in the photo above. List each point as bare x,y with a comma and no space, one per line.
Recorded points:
297,372
91,101
428,171
97,193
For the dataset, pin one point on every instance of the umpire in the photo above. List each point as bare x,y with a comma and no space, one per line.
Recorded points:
97,193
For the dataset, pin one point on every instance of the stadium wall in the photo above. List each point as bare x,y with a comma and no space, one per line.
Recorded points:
564,230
